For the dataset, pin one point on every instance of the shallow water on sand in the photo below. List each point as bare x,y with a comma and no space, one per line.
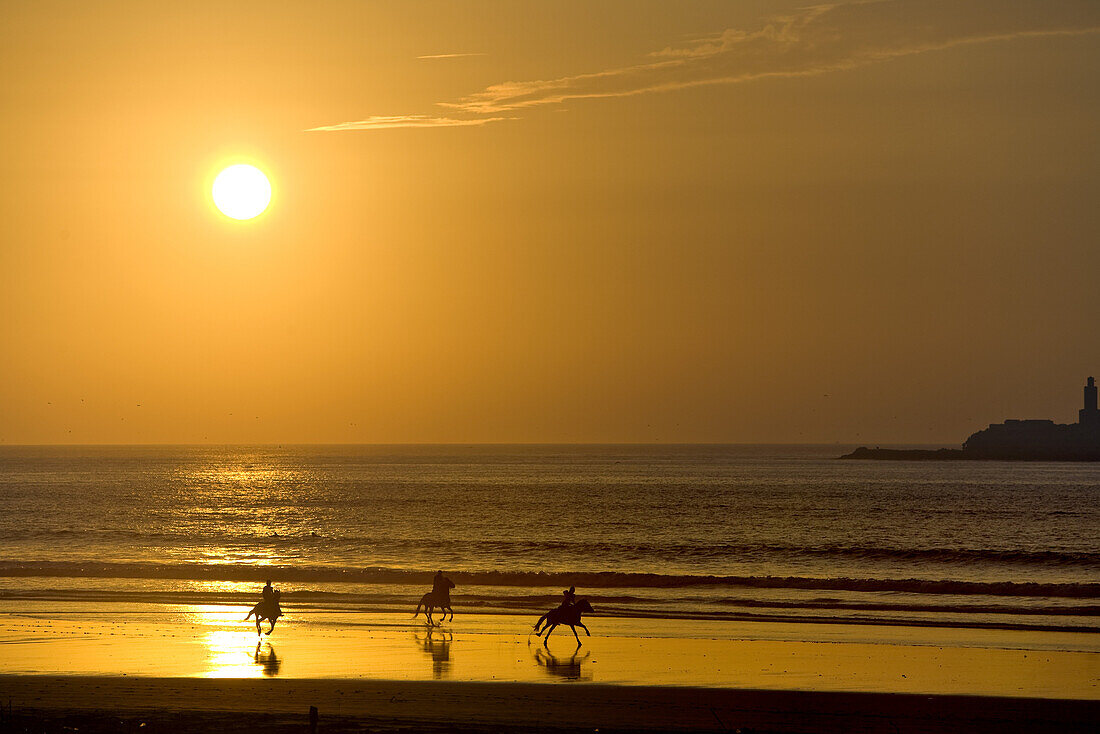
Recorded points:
211,641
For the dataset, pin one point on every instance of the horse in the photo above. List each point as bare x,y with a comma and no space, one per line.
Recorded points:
570,615
430,601
271,612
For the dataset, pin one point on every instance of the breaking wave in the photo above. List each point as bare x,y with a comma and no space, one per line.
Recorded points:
591,580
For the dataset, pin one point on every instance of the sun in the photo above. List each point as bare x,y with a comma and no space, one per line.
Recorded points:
241,191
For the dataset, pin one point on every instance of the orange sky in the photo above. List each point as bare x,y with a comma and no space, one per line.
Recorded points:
581,221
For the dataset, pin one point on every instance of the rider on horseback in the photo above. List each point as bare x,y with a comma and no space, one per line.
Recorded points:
439,596
568,613
271,601
268,608
441,588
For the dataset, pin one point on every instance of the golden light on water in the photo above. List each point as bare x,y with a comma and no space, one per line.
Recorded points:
241,191
255,498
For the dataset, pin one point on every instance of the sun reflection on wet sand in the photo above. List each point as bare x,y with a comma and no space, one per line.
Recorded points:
227,645
227,657
214,616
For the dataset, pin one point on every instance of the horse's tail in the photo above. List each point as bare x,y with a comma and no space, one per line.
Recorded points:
423,601
250,613
541,620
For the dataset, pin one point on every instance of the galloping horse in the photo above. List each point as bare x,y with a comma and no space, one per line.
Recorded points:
430,601
570,615
271,611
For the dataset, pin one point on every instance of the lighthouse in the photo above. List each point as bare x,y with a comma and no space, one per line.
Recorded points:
1089,415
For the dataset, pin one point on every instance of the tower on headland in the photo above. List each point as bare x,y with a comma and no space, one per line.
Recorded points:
1016,440
1089,415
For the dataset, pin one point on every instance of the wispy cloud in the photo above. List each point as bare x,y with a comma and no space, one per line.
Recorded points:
383,123
448,56
815,40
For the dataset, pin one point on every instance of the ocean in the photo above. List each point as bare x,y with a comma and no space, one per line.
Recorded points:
784,533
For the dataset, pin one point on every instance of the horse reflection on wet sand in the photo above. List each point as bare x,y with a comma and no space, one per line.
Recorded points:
568,668
267,659
438,646
569,615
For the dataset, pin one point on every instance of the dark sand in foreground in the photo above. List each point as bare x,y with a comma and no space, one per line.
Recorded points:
175,704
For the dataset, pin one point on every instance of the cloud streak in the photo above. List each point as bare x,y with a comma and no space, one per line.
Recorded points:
816,40
398,121
448,56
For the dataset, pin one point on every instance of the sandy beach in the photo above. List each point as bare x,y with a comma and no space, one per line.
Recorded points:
165,664
180,704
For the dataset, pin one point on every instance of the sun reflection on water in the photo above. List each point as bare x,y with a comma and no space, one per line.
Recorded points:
247,511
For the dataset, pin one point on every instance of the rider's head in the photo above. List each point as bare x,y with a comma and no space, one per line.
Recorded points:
269,582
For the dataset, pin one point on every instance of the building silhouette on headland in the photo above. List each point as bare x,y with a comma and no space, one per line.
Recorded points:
1018,440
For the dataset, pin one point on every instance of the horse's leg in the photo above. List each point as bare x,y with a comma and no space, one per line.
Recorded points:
259,631
581,625
272,628
575,634
548,631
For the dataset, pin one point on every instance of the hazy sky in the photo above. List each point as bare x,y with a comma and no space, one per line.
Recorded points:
751,221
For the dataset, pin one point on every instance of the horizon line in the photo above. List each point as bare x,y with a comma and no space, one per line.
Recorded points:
879,444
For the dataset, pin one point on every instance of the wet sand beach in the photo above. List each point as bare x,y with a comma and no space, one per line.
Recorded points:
202,668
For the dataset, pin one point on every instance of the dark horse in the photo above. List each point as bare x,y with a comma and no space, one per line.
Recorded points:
570,615
269,610
430,601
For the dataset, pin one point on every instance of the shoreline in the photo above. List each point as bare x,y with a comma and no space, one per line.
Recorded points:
865,453
177,704
839,614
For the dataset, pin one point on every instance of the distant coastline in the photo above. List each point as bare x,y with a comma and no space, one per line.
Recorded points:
1014,440
945,454
948,454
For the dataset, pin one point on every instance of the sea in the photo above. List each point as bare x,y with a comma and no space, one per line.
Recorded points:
770,533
